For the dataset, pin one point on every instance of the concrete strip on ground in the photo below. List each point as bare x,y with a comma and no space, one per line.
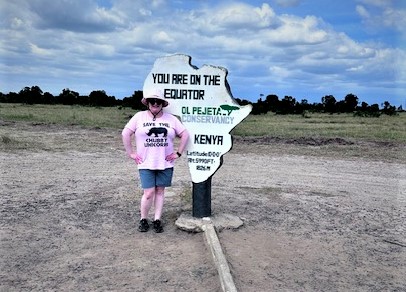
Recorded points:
209,225
226,280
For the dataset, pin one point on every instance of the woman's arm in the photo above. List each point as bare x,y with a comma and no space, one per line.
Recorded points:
184,137
126,135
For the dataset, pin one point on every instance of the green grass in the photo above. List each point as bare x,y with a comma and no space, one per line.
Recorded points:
346,126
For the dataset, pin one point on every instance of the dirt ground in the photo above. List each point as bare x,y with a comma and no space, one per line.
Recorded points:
319,215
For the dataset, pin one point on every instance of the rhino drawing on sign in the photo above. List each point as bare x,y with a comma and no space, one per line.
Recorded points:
158,131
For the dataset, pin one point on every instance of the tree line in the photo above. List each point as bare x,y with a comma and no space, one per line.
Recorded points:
271,103
328,104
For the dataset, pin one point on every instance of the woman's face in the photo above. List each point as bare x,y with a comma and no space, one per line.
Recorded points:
154,104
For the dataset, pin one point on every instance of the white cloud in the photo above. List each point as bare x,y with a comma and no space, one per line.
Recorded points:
362,11
287,3
394,18
79,16
16,23
378,3
162,37
36,50
378,14
236,16
261,49
280,72
297,30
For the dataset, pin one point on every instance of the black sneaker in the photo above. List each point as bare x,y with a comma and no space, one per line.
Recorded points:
144,226
157,226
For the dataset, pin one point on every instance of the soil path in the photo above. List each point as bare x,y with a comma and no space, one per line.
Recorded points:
316,217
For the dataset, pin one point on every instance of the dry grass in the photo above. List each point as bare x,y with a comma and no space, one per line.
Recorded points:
114,117
346,126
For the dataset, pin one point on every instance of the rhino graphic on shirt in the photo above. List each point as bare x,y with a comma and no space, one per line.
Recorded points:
157,131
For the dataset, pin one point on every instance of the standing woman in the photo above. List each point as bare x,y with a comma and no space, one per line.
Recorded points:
155,131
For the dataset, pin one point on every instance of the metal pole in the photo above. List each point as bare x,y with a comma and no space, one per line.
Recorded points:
202,199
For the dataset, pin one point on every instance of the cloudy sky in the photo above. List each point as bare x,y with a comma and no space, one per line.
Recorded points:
303,48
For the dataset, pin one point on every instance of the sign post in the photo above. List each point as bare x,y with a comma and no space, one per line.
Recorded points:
201,98
201,194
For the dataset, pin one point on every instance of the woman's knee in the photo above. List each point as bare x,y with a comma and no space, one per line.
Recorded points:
149,193
159,191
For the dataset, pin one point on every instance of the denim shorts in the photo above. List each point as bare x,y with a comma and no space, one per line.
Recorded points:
151,178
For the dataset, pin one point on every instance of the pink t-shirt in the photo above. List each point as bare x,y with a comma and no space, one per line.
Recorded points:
154,139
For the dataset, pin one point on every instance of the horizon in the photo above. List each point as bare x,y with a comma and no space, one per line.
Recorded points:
263,98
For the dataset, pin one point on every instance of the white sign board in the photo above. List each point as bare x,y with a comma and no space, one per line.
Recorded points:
202,100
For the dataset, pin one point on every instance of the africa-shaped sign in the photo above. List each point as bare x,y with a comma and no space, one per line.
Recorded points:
202,100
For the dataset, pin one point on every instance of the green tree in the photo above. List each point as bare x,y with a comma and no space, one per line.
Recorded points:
134,101
329,103
68,97
388,109
350,103
272,102
259,107
287,105
100,98
48,98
